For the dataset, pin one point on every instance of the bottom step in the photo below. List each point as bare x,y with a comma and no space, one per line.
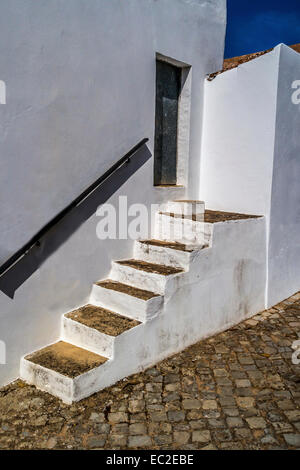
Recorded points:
54,368
66,359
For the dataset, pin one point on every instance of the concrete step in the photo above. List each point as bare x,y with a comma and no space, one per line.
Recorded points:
153,277
121,332
95,328
138,304
56,368
186,230
185,207
173,254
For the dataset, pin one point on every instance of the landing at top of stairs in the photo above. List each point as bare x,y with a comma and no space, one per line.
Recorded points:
213,217
102,320
126,289
66,359
150,267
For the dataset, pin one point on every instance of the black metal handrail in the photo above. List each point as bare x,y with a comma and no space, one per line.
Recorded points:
35,241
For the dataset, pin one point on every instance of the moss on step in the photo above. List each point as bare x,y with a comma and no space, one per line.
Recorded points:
102,320
150,267
125,289
66,359
165,244
212,217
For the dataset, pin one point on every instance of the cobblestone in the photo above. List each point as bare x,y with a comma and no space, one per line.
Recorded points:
238,390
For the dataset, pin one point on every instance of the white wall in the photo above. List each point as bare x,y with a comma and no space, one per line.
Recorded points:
238,137
80,79
80,93
250,156
284,246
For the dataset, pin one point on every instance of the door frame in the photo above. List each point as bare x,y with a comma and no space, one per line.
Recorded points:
184,118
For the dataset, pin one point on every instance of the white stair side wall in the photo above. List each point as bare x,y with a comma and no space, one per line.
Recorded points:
220,297
225,285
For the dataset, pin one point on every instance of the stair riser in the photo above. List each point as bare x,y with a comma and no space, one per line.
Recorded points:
87,338
47,380
161,255
185,208
143,280
131,307
182,230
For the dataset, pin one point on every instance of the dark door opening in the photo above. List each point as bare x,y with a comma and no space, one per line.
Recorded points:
168,85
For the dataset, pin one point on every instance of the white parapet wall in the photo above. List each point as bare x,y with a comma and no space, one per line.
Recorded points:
250,156
284,240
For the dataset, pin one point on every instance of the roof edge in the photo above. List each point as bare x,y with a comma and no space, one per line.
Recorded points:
235,62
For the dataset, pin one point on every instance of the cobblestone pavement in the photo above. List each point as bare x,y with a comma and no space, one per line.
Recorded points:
238,390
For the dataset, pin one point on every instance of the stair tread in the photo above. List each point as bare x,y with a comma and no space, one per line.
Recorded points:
212,217
66,359
189,201
150,267
126,289
166,244
100,319
220,216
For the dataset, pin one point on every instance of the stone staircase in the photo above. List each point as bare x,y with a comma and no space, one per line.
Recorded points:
136,317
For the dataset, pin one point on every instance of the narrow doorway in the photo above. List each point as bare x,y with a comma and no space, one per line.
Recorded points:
168,87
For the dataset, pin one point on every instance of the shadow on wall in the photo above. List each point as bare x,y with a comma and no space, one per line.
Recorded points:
59,233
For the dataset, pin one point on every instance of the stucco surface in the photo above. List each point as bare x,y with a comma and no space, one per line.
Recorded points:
80,93
234,264
238,137
250,156
80,82
284,245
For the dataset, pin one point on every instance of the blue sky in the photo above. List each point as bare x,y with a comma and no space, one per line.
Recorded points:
256,25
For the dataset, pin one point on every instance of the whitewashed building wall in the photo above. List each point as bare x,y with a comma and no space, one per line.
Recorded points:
250,156
80,93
